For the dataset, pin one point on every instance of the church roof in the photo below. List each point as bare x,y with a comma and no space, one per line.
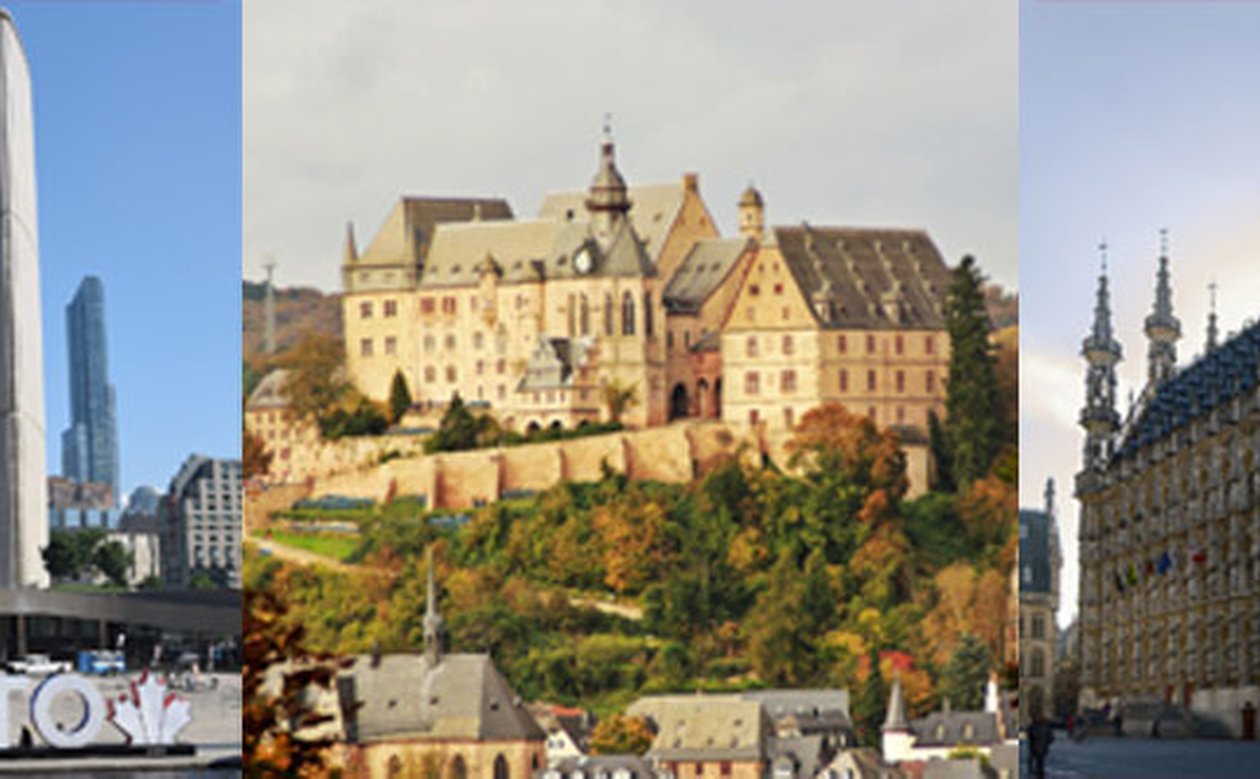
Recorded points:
400,696
407,233
950,728
1034,552
868,278
653,209
1216,378
707,264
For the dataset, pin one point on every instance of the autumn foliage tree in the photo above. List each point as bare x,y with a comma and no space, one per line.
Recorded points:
315,383
620,734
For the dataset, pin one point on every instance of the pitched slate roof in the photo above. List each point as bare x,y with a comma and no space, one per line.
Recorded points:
814,710
653,209
705,727
1034,551
407,233
867,278
707,264
269,392
1216,378
947,728
402,697
553,362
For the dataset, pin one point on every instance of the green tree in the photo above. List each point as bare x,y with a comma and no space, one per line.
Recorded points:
869,709
964,677
973,421
202,581
618,399
399,397
459,429
779,641
938,443
114,561
315,383
70,553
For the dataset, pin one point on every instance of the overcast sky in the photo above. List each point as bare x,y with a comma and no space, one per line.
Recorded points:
860,113
1150,122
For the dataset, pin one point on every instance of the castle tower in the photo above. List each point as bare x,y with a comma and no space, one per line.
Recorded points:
752,214
609,199
1101,351
434,630
24,486
1162,328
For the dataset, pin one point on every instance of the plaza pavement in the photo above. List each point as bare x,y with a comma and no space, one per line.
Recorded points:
1107,756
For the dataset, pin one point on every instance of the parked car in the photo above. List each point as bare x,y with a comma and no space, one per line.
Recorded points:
101,662
37,665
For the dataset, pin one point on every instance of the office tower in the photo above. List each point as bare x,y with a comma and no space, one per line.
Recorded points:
89,447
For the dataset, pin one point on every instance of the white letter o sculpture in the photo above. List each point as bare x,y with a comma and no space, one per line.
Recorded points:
86,729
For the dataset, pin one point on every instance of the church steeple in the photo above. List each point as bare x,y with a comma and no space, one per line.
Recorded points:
434,633
609,199
350,251
1162,328
1101,351
895,720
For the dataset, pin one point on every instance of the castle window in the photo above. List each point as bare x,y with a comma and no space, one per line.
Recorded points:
930,381
900,379
608,315
899,344
844,380
391,309
789,417
501,768
754,289
778,289
787,313
751,347
450,373
929,345
365,347
450,341
500,367
365,309
585,318
448,305
751,313
842,344
502,392
870,381
870,344
669,340
752,383
391,345
430,374
427,306
787,344
901,414
627,314
787,381
479,340
481,367
428,343
648,325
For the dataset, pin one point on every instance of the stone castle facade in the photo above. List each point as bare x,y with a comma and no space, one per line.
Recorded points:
634,288
1170,522
1039,563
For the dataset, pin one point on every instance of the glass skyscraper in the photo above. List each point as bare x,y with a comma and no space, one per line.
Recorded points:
89,447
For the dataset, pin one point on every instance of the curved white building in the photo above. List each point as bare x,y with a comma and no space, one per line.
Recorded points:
23,484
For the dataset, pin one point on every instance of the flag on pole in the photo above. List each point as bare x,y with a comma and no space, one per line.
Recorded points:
1165,562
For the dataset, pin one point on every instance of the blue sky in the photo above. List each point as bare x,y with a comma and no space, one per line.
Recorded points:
1134,116
137,133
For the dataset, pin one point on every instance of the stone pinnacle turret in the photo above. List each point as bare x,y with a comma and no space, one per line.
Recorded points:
1163,329
1101,351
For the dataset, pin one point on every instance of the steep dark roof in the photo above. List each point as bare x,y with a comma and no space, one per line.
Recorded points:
1034,551
1224,373
947,728
856,277
407,233
402,697
706,265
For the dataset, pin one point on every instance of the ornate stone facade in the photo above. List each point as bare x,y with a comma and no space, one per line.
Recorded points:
1039,564
1170,523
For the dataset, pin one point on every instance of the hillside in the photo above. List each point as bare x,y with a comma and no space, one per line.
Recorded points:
299,310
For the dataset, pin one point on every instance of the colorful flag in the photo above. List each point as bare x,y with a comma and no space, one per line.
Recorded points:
1165,562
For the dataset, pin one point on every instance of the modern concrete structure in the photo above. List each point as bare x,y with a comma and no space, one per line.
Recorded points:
89,447
23,489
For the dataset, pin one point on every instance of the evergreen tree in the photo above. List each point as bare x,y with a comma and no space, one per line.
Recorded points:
973,423
779,641
399,397
939,444
869,709
458,429
964,677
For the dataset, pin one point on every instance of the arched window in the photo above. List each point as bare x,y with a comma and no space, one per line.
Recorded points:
647,314
501,768
585,318
608,315
459,769
394,766
627,314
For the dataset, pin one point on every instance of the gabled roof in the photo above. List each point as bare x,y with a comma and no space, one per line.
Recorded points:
863,277
948,728
705,727
270,391
653,210
553,362
706,265
1216,378
402,697
407,233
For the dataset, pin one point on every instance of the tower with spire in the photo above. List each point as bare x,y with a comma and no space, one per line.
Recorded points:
434,628
1212,333
897,740
1101,351
1163,329
609,199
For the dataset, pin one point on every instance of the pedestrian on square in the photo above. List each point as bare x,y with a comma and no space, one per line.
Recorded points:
1040,736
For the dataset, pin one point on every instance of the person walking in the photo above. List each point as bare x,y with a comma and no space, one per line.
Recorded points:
1040,736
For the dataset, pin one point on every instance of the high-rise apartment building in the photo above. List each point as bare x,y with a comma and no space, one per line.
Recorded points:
201,523
89,447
